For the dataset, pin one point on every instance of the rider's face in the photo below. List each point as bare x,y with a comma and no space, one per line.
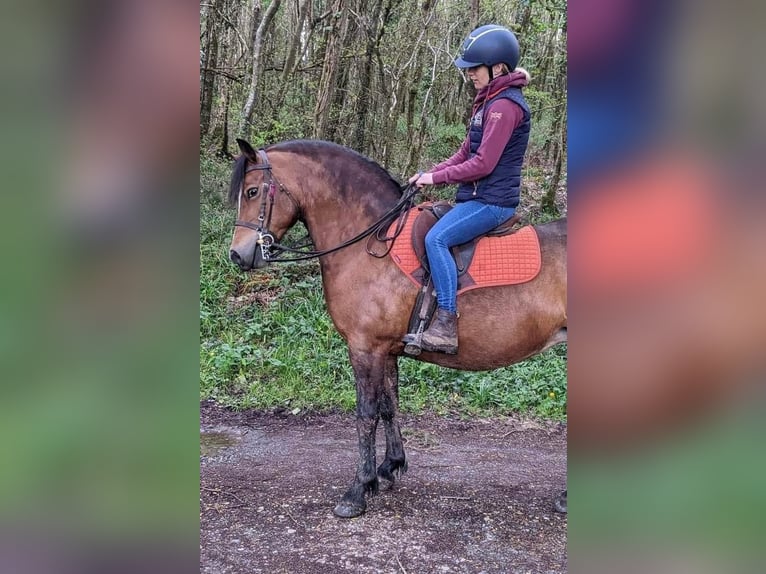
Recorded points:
479,75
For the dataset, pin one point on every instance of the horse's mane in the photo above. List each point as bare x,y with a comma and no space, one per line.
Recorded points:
316,149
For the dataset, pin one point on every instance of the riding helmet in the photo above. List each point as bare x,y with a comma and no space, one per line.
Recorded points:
489,45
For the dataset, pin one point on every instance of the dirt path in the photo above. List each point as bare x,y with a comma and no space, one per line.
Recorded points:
477,497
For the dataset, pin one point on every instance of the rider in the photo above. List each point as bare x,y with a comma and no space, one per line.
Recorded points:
487,166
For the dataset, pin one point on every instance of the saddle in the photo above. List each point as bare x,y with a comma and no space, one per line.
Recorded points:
426,217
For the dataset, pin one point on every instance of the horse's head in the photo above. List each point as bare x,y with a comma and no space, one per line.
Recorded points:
265,209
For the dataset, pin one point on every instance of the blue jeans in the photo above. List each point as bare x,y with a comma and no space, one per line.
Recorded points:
462,223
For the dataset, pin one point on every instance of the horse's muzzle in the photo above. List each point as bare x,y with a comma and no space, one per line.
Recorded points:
255,261
238,260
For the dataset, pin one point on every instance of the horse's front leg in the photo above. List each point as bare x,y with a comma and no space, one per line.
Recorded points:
369,376
395,462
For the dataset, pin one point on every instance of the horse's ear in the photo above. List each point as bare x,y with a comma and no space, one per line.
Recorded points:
247,150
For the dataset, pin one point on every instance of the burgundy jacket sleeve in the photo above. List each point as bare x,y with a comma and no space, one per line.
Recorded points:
499,122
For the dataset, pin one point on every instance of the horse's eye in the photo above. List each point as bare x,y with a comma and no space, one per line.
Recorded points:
252,192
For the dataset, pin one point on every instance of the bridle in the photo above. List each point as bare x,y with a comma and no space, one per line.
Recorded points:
266,239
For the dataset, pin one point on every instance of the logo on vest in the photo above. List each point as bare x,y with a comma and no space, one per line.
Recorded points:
477,118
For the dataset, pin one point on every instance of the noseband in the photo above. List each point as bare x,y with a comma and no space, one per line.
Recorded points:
265,237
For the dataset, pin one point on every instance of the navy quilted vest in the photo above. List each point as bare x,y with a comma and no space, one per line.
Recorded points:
503,185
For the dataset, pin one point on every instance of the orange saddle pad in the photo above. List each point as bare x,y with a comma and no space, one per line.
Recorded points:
506,260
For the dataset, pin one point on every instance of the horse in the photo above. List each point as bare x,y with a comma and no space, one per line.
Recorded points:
337,194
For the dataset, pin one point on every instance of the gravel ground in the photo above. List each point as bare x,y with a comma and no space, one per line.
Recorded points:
478,496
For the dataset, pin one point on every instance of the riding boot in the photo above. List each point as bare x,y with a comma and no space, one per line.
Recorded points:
441,336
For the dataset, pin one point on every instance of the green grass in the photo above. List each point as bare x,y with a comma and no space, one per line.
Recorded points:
267,341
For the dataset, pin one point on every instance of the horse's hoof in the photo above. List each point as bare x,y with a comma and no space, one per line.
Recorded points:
384,483
560,504
346,510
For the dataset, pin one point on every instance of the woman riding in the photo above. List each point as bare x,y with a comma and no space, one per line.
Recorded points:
487,166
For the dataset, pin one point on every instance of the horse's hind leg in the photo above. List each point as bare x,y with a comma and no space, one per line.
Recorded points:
395,462
368,372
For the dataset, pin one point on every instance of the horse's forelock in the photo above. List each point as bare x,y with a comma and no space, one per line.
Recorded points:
237,177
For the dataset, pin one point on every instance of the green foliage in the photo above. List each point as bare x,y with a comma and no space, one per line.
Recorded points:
536,386
284,125
266,340
445,141
287,354
411,94
540,104
213,180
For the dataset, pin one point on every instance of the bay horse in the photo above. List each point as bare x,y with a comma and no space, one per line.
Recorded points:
337,194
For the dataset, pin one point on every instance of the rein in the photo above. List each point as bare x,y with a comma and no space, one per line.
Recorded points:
266,239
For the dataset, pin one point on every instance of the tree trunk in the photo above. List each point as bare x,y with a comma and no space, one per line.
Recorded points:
223,149
338,107
332,57
258,39
559,130
374,35
524,28
475,8
291,58
549,200
210,58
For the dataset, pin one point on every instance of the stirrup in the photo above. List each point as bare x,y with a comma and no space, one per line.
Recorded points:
422,312
413,343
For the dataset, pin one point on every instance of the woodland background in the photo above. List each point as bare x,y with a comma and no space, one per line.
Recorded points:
378,77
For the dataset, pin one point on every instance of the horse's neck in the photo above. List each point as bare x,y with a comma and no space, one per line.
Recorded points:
330,226
333,217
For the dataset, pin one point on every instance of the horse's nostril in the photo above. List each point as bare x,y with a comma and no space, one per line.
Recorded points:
234,256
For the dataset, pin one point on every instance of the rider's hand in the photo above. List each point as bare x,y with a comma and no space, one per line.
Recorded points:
414,178
425,179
